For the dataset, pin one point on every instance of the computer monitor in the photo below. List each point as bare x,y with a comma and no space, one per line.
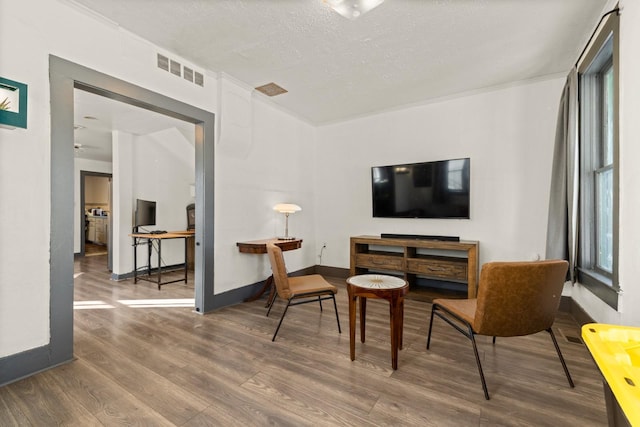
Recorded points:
145,213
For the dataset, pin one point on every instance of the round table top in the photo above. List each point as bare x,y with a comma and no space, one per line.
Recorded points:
376,281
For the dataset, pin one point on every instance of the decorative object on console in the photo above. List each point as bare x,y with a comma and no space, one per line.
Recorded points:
286,209
353,9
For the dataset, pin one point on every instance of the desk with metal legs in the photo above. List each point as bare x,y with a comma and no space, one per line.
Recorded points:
154,275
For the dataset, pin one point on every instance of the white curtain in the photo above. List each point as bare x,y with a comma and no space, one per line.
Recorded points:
562,226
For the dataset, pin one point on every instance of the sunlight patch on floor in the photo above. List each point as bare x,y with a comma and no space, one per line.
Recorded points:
151,303
89,305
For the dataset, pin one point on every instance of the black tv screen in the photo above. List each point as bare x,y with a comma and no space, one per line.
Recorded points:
145,213
422,190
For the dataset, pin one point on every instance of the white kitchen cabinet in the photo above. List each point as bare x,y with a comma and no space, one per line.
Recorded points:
97,229
91,234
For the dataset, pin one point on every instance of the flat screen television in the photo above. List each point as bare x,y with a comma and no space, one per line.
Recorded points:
437,189
145,213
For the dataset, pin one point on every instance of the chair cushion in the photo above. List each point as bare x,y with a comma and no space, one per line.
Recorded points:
311,283
463,308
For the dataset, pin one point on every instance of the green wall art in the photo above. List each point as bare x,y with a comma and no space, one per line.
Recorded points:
13,104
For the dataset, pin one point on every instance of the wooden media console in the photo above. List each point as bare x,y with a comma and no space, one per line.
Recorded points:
434,259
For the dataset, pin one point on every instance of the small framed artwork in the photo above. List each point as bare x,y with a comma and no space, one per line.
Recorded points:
13,104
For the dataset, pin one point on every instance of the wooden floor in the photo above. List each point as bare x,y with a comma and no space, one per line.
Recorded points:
143,359
92,249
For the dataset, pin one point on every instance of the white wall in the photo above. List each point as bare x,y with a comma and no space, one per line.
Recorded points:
275,166
508,134
122,217
163,170
629,245
25,153
278,166
78,221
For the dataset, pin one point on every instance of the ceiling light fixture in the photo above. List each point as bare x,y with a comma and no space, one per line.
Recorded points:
353,9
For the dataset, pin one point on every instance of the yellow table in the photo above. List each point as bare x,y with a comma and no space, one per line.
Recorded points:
616,351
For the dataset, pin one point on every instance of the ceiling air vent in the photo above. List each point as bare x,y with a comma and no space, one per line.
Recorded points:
177,69
271,89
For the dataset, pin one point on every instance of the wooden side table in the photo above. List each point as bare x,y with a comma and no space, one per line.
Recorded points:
260,247
391,288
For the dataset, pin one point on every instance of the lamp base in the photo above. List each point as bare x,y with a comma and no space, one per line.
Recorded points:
286,238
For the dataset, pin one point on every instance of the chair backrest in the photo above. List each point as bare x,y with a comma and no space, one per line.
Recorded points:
279,270
518,298
191,216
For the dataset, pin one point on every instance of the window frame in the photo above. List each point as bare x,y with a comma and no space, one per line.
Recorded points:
597,59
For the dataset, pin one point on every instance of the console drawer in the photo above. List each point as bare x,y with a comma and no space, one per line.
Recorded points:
438,268
385,262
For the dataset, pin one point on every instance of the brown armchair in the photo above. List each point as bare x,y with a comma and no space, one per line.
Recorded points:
514,299
306,289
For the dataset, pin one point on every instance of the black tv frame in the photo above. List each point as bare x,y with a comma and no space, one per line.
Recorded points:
428,178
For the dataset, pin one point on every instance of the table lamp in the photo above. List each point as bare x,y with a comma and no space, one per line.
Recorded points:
286,209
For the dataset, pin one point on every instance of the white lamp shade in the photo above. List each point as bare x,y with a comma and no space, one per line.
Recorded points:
287,208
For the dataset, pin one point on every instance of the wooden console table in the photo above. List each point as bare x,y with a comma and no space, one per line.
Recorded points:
260,247
434,259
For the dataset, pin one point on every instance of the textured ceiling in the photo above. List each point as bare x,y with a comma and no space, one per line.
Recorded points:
403,52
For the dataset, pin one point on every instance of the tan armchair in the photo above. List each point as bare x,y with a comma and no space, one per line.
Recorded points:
514,299
306,289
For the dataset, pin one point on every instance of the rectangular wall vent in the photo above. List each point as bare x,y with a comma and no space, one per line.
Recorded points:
177,69
199,79
163,62
187,73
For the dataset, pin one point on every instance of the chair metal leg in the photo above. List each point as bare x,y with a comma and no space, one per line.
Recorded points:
271,305
468,333
281,319
475,351
564,365
335,307
494,340
433,308
320,302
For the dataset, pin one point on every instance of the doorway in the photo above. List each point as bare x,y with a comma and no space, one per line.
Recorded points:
96,219
65,76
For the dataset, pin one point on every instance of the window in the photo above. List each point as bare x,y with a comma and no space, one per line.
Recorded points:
598,94
455,174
